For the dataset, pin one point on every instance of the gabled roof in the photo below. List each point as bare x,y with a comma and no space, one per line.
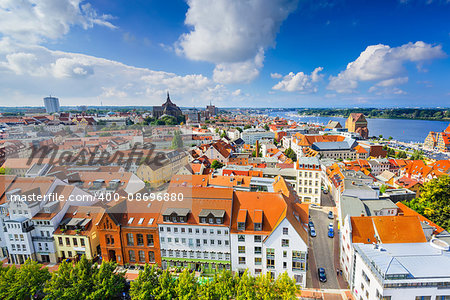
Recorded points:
406,211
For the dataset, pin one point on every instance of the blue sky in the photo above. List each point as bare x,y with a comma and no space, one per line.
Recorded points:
259,53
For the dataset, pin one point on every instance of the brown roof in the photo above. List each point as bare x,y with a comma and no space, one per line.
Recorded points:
94,213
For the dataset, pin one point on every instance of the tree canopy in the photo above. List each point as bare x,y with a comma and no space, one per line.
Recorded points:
216,164
434,201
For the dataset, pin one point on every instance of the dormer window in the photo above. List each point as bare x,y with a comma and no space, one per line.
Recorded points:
202,220
241,225
211,220
258,226
218,220
174,219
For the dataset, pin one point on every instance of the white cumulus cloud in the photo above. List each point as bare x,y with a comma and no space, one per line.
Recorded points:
233,34
300,82
384,64
32,21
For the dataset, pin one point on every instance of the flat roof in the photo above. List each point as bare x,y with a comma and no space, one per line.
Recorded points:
413,260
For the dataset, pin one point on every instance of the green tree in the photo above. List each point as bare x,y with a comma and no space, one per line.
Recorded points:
434,201
216,164
225,285
239,129
166,287
291,154
417,155
144,286
177,142
383,189
266,127
224,134
24,282
207,291
85,280
265,287
246,287
2,171
285,287
247,127
186,287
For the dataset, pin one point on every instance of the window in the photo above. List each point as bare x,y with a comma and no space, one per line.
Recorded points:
169,240
257,260
258,226
183,241
270,263
218,220
190,230
211,231
141,220
241,249
60,240
205,242
75,242
226,242
141,256
211,242
211,220
177,240
161,229
197,231
284,243
169,229
130,239
140,239
69,253
204,231
284,265
270,252
257,239
423,297
68,243
150,241
242,260
219,232
285,230
175,230
366,278
258,250
284,253
241,238
203,220
198,242
151,256
132,255
183,230
219,242
162,239
241,226
82,242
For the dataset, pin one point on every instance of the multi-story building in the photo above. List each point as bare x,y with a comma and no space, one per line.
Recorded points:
35,207
309,179
251,135
269,233
128,233
51,104
194,233
76,234
159,173
357,123
438,140
404,271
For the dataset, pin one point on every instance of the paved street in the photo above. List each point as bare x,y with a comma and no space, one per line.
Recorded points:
322,250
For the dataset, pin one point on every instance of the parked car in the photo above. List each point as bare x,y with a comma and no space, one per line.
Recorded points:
312,232
330,226
325,191
310,224
314,206
322,274
330,215
330,232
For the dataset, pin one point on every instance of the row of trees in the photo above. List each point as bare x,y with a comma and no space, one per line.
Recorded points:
82,280
87,280
396,154
152,283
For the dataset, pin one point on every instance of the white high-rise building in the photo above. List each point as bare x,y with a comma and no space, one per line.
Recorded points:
51,104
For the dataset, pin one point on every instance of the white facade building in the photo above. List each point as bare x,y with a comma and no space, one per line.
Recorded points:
309,179
250,136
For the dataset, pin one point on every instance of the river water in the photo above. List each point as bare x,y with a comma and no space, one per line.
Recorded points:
404,130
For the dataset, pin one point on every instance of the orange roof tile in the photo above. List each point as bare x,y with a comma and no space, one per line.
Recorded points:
410,212
387,229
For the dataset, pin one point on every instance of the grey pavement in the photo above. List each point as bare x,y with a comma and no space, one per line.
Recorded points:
323,249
